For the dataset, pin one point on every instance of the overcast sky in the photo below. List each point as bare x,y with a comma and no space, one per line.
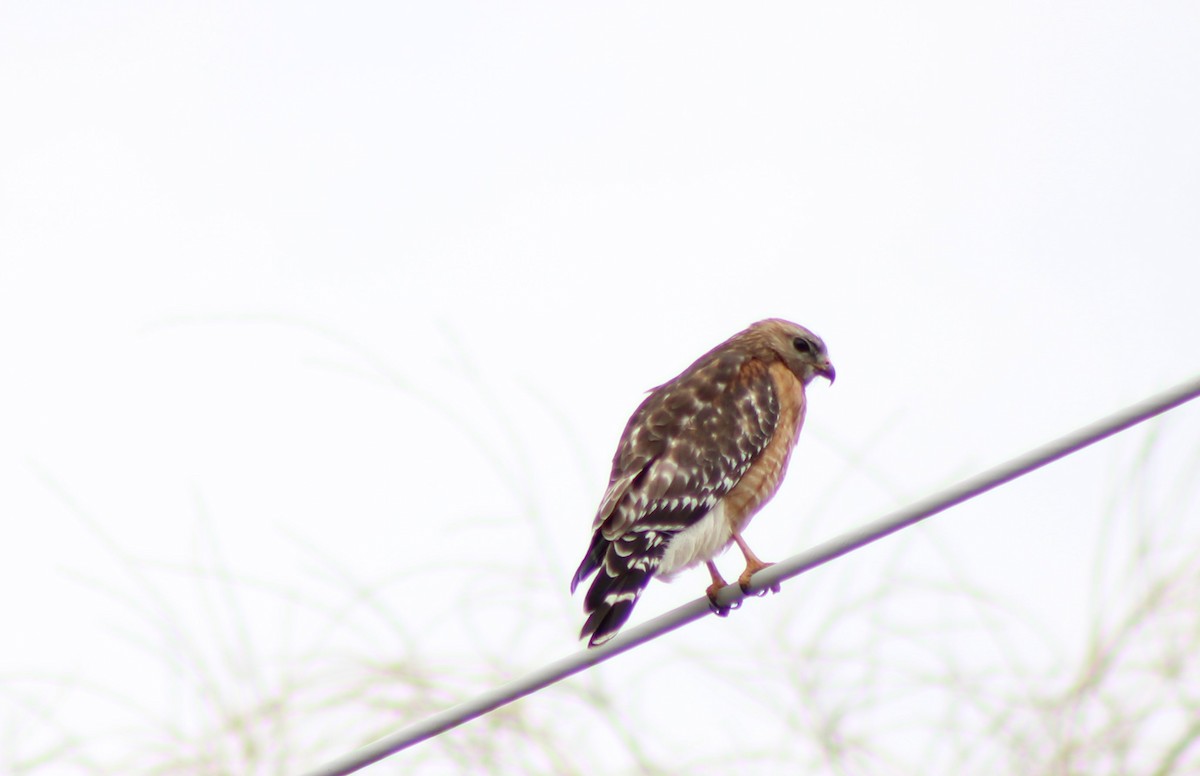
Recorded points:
380,284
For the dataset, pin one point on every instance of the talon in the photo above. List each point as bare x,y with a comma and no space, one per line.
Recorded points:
751,570
753,565
718,582
717,609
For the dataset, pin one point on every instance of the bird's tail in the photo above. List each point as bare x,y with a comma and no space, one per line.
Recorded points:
591,560
623,569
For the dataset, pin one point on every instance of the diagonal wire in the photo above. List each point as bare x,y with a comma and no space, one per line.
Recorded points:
732,595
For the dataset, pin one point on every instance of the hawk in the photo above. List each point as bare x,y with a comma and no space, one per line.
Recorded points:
700,456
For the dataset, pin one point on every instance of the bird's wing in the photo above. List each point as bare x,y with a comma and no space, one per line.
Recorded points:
686,446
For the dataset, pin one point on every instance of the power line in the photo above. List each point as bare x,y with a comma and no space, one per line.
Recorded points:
786,569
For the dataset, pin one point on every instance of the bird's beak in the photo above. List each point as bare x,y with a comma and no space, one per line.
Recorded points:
827,371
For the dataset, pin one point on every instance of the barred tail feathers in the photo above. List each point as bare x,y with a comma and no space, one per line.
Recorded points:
591,560
629,563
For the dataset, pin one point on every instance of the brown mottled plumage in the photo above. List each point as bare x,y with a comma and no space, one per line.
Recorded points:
698,458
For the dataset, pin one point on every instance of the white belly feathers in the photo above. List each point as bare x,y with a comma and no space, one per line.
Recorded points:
704,540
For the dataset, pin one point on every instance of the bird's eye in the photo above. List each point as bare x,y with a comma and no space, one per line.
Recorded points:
802,345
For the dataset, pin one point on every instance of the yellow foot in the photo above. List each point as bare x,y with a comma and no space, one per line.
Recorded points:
752,568
717,583
713,589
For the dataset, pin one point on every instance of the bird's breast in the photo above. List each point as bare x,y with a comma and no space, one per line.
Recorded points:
764,476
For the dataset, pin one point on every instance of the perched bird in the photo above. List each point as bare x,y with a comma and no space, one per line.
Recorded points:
698,458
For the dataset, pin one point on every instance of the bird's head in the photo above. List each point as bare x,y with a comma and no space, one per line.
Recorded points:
802,351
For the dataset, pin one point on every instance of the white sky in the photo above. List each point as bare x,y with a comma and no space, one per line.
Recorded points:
380,285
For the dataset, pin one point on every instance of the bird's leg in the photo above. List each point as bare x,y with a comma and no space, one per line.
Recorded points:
753,564
718,582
